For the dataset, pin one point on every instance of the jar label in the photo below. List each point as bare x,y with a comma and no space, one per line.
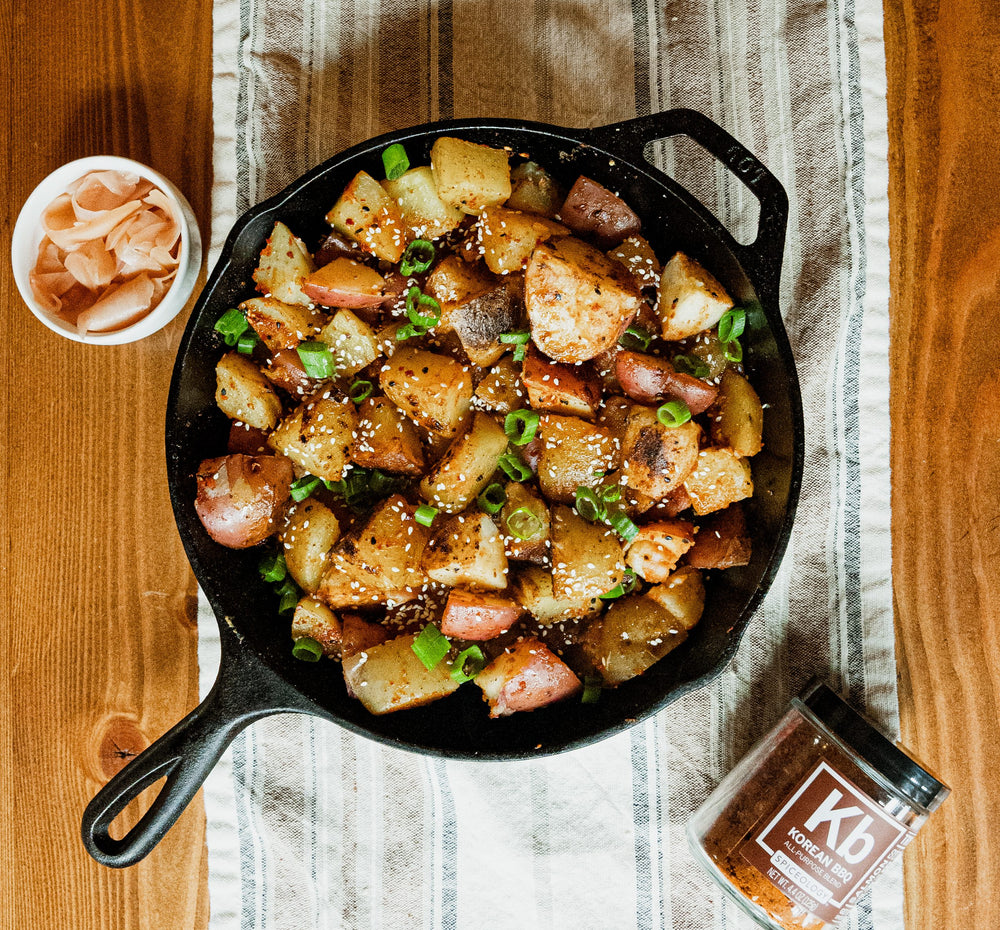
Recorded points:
825,843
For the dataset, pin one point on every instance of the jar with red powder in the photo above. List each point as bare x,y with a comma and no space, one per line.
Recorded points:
812,815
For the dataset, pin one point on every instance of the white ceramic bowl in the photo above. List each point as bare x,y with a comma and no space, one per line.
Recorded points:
28,236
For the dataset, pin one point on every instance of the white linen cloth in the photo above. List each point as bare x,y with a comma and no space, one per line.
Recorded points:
311,827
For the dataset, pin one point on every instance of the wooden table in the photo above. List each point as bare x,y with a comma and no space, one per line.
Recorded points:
99,612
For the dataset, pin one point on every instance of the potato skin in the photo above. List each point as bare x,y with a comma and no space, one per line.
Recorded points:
526,678
241,497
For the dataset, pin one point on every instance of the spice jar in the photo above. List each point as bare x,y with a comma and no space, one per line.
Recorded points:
812,814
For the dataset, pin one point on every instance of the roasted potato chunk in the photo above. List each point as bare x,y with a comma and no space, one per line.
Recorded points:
476,616
527,677
587,558
508,237
284,264
243,393
311,530
468,176
467,551
501,390
426,215
719,479
658,458
534,190
592,210
739,416
566,389
532,588
280,325
433,390
314,619
317,435
466,468
367,214
578,300
386,439
722,540
690,299
533,538
390,677
352,342
345,282
637,255
574,453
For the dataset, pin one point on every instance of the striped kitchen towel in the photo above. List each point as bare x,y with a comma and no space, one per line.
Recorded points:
311,827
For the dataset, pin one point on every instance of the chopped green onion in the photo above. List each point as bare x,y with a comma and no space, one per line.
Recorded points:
673,413
521,426
272,567
468,663
425,514
591,689
231,325
430,646
247,343
520,342
635,337
316,359
733,350
524,523
395,161
623,525
381,484
626,586
359,391
302,487
288,595
492,499
732,324
407,330
589,505
512,466
414,300
611,493
691,365
307,649
335,486
418,257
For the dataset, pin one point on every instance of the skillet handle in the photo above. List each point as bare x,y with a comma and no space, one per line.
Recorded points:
184,755
765,253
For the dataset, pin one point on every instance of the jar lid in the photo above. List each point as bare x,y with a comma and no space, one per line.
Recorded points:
912,780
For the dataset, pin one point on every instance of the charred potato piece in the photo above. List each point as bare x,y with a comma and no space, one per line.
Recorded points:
658,458
573,453
317,435
578,300
587,558
466,468
722,541
535,546
243,393
386,439
480,321
467,551
367,214
691,299
501,390
433,390
284,264
719,479
468,176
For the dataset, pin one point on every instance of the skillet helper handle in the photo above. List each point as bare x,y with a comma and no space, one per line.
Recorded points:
184,755
765,253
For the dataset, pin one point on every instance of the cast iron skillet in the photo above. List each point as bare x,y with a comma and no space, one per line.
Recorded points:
258,675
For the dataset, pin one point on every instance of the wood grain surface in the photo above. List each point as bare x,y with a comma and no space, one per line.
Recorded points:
943,94
98,601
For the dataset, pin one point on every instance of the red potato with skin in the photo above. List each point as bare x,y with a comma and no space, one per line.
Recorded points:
591,210
241,497
285,369
568,389
649,380
528,677
347,283
247,440
357,635
475,616
722,540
